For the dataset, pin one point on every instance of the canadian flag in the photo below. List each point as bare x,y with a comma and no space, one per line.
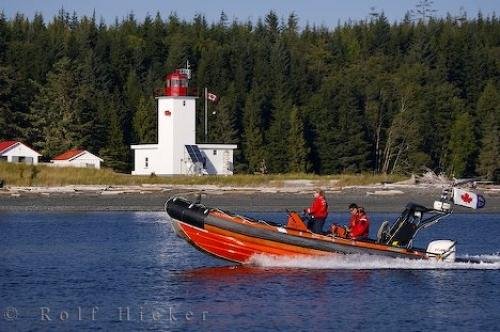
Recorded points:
212,97
468,199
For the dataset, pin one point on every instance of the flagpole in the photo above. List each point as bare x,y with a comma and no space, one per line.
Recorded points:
206,118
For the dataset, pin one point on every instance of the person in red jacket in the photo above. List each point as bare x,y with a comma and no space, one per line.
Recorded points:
318,212
359,225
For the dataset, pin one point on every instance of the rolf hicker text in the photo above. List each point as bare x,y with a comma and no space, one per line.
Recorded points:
124,313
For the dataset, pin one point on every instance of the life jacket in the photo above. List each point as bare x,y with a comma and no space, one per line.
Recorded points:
339,231
319,208
359,226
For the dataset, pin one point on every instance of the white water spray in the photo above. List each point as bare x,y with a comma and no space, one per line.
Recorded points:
367,262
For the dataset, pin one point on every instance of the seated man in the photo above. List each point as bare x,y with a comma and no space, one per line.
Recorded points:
358,227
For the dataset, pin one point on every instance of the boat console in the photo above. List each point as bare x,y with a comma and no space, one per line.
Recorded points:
412,219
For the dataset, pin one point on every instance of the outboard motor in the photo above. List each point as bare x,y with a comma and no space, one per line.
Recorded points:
443,249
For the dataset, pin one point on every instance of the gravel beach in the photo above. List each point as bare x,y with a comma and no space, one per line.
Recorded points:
152,198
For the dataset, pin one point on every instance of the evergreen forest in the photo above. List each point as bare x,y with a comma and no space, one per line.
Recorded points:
366,96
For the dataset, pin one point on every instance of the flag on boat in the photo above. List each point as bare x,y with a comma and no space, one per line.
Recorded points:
468,199
212,97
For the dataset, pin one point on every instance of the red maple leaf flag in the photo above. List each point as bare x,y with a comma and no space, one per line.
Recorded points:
212,97
465,198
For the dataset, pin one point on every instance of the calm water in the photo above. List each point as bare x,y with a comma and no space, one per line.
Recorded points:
128,271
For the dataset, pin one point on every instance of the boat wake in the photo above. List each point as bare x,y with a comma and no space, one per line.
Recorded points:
367,262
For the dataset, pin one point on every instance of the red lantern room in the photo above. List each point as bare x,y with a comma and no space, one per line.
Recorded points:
177,83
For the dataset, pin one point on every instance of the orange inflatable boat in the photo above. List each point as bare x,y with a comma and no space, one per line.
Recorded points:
237,238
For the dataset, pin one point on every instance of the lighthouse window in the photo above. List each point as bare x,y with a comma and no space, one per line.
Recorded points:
146,162
183,103
215,152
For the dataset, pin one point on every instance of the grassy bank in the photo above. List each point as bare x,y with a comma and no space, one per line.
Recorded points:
45,176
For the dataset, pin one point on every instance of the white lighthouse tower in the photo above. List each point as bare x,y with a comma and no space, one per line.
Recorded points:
177,151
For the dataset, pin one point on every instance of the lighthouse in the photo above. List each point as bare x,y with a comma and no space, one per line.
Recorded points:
176,152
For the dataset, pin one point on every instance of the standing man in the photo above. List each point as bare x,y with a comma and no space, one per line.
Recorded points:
318,212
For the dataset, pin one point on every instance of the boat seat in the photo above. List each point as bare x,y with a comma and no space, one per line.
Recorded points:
295,222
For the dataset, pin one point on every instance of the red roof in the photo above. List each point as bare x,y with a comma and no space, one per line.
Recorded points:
68,154
4,145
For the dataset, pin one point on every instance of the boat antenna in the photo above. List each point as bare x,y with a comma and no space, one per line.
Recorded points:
197,199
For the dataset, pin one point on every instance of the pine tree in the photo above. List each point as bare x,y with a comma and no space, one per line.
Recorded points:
223,129
55,110
321,113
178,46
489,110
443,103
145,121
6,116
86,101
253,140
4,31
43,53
461,146
115,153
277,138
272,25
132,95
14,103
381,33
489,160
349,143
277,135
297,146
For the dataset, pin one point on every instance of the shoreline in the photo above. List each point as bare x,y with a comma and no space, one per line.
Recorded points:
377,198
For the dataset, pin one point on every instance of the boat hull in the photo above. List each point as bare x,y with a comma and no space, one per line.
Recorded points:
237,247
238,239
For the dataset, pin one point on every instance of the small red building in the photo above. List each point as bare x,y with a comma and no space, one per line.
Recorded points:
77,158
18,152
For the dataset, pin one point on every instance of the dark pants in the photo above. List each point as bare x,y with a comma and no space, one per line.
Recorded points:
316,225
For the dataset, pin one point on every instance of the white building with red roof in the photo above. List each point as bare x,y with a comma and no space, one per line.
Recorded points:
77,158
18,152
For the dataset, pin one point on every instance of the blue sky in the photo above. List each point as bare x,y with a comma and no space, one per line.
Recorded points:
318,12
